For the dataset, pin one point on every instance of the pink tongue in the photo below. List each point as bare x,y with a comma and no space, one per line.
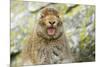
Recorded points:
51,31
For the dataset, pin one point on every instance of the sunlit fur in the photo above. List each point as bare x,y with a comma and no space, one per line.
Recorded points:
44,49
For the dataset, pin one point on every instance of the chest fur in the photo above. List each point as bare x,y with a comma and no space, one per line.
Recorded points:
51,53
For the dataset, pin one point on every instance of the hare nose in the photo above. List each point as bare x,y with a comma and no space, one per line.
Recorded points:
51,22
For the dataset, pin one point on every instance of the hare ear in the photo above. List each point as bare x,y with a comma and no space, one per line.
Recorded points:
42,16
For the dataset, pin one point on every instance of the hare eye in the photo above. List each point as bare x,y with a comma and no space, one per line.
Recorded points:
58,16
41,23
59,23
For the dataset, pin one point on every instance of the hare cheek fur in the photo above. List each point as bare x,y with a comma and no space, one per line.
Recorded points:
48,44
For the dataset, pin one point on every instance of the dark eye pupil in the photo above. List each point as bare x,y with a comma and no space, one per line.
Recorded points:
58,16
60,23
41,23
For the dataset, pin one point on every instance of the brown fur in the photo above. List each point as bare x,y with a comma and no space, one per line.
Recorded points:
43,48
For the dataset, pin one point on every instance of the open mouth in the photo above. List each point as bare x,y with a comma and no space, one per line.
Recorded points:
51,30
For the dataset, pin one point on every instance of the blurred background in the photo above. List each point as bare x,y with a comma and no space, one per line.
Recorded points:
79,25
